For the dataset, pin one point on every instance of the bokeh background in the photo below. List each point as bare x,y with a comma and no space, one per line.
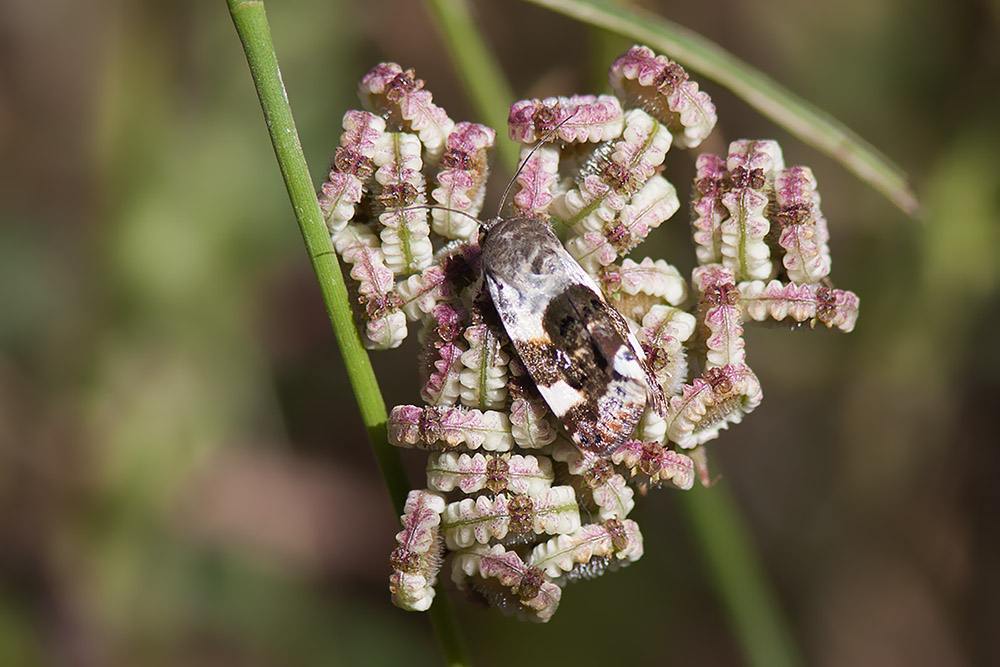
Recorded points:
184,477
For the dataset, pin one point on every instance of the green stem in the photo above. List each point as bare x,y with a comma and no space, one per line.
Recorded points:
805,121
739,577
479,70
254,32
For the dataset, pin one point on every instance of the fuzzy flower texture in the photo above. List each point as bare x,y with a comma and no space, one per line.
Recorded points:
519,509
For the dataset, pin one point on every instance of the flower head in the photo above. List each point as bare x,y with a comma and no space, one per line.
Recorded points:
401,202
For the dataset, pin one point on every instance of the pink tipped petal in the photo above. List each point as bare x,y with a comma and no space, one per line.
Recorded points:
536,181
804,232
661,87
720,314
710,403
502,576
778,301
398,96
592,251
448,427
581,118
586,551
479,520
352,167
711,182
405,232
462,181
484,377
417,559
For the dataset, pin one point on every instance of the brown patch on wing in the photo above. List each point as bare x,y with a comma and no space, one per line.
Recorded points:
540,358
589,333
581,324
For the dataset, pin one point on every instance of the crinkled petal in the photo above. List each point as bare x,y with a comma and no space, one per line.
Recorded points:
710,403
461,182
661,87
506,582
581,118
528,475
433,427
597,544
804,232
399,96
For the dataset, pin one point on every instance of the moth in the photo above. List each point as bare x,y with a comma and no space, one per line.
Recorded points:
578,349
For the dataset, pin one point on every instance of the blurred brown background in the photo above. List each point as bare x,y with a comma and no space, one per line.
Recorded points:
184,479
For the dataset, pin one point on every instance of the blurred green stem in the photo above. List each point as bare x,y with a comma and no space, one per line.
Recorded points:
251,25
802,119
478,68
739,577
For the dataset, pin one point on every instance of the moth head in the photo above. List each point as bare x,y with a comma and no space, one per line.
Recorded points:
485,226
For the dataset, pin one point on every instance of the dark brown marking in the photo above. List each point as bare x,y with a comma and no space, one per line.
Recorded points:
795,214
672,76
521,512
826,307
530,584
616,530
725,294
748,178
497,472
402,84
721,384
347,161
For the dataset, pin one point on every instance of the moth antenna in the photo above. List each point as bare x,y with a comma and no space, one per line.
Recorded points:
485,225
415,207
520,167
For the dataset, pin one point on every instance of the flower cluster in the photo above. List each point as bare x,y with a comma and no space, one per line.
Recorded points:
518,508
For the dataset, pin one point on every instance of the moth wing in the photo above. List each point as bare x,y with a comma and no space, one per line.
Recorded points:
578,349
603,388
603,312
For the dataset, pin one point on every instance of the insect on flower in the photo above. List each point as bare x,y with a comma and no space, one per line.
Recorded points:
578,349
639,366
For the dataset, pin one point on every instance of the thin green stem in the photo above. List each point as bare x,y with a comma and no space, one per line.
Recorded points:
739,578
479,70
251,24
802,119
